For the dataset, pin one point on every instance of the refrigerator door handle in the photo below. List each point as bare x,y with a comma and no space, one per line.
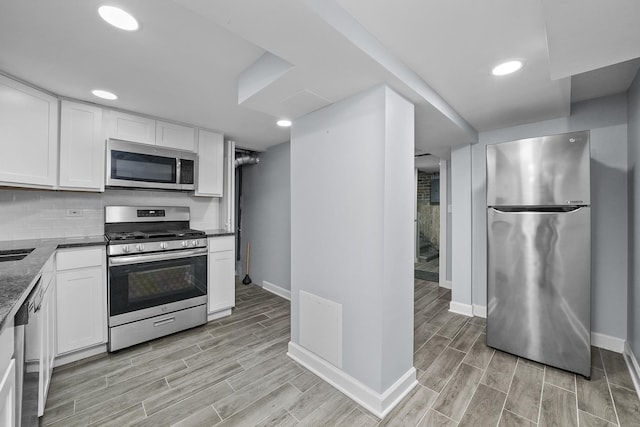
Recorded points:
536,209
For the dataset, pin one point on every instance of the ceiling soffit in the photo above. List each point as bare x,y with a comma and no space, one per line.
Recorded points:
586,35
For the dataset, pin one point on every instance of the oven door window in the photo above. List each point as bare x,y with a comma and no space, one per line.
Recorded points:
139,286
143,167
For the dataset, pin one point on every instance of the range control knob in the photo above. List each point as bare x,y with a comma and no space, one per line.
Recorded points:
163,245
185,243
194,243
140,247
125,248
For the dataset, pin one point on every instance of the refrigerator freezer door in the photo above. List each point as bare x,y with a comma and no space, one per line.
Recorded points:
545,171
539,286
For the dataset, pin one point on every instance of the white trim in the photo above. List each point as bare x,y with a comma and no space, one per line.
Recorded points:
379,404
218,314
634,367
416,238
480,311
459,308
607,342
64,359
275,289
442,250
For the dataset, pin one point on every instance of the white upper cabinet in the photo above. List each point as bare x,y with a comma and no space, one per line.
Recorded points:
210,165
175,136
29,136
82,147
129,127
132,128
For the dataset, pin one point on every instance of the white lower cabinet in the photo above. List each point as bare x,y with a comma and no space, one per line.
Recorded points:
81,299
8,395
47,341
7,377
222,293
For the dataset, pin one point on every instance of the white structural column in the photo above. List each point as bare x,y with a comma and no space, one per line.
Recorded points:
351,252
461,215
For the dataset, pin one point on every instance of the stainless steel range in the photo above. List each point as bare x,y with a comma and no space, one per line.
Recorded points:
157,275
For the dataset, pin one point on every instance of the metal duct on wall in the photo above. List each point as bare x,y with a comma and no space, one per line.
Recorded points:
242,158
247,159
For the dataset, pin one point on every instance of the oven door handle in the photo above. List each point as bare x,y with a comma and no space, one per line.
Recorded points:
139,259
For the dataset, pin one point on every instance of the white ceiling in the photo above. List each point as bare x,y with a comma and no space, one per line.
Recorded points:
237,66
427,163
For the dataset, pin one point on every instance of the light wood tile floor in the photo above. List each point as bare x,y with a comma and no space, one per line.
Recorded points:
235,372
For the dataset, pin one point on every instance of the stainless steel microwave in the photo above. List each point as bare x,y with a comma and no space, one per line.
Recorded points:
147,166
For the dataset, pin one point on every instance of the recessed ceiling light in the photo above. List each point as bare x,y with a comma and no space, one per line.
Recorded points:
118,18
104,94
506,68
284,123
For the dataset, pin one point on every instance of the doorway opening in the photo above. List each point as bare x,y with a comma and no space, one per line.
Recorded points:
428,236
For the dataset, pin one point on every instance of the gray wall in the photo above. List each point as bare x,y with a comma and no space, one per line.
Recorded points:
606,118
266,217
633,298
352,210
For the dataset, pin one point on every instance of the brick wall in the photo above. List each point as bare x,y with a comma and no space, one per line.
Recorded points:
424,185
428,214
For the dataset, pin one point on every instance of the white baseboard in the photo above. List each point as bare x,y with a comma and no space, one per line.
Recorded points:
634,367
379,404
218,314
480,311
64,359
607,342
275,289
446,284
459,308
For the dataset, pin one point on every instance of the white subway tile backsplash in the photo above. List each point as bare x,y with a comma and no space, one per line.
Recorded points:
32,214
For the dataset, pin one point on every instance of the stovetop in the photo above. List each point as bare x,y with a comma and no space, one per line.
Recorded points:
146,242
135,230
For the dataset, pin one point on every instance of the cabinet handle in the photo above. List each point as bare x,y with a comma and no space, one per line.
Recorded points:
164,321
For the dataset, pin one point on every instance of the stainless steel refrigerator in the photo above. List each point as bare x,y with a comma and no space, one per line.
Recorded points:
539,250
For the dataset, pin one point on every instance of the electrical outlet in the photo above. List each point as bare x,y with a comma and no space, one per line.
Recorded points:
74,212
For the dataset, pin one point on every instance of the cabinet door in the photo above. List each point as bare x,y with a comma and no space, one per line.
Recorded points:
132,128
47,343
29,135
82,147
210,164
175,136
82,314
8,395
222,292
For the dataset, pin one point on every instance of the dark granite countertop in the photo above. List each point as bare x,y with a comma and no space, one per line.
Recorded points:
218,232
17,278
